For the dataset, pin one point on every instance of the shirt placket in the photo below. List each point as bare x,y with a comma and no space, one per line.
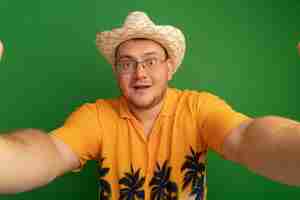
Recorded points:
151,144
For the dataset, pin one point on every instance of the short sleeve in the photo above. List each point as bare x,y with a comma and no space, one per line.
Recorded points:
218,119
81,131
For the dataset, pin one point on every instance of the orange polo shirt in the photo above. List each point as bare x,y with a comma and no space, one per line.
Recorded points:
170,163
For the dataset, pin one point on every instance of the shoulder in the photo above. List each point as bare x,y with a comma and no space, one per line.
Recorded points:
99,105
194,96
113,103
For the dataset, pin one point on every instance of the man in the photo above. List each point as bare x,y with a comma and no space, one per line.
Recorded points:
151,142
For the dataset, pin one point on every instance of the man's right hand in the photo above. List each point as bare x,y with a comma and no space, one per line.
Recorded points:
1,49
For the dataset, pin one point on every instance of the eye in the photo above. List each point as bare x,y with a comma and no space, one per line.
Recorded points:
151,62
125,66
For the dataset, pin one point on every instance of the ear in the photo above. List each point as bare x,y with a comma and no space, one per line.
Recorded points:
114,69
115,73
113,66
170,66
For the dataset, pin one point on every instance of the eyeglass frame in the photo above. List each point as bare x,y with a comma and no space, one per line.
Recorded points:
142,62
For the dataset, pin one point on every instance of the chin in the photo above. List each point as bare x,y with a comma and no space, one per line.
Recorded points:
143,103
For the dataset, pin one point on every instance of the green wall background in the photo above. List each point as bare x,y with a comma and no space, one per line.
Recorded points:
244,51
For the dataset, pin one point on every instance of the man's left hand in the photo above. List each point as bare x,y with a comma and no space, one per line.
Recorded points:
1,49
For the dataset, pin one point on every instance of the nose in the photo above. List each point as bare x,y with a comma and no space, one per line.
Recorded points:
140,72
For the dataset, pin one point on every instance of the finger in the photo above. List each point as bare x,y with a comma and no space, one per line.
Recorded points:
1,49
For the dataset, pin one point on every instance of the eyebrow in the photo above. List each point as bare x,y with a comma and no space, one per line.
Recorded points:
132,57
125,56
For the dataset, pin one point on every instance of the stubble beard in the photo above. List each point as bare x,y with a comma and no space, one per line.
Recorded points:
155,101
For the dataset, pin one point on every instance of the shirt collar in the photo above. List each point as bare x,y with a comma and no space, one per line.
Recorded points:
169,104
124,109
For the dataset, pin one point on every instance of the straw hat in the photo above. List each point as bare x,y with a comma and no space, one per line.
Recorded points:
139,25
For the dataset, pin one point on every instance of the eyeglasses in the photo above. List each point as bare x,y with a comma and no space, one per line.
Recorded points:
130,66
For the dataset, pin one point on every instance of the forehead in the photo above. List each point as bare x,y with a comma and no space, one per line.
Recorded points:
139,48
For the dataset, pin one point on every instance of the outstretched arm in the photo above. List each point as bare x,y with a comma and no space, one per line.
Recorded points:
269,146
30,159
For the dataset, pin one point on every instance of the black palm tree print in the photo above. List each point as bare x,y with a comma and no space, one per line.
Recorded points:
132,185
194,174
161,186
104,186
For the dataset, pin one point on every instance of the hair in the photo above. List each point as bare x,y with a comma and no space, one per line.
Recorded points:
137,39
